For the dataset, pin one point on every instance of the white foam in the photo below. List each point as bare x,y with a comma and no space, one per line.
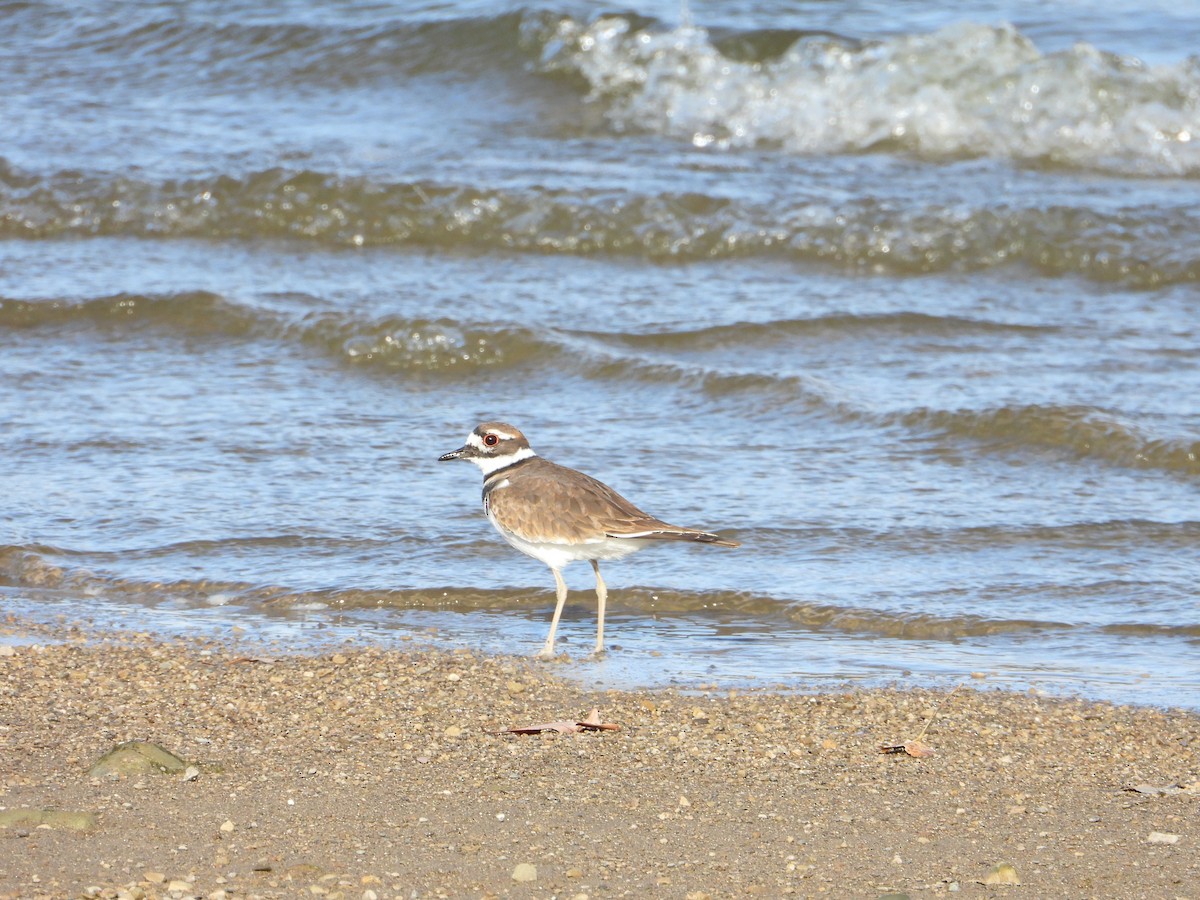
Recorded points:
965,90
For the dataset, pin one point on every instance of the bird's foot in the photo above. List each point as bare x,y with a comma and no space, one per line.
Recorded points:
546,654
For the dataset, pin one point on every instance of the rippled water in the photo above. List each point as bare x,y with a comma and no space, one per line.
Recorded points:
905,300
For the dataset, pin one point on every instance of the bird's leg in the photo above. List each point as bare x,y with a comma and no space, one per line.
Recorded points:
547,651
601,599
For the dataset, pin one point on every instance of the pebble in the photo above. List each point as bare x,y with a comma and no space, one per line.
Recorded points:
1162,837
1002,873
137,758
524,872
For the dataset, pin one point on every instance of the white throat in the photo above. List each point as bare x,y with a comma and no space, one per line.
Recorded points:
490,464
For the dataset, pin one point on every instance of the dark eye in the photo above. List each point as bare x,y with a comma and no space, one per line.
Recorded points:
491,440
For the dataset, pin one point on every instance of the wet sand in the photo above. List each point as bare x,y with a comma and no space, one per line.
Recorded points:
369,773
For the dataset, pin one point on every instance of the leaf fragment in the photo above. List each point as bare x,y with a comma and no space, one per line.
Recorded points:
912,748
591,723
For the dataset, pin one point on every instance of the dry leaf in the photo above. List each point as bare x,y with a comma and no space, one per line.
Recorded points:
591,723
561,727
912,748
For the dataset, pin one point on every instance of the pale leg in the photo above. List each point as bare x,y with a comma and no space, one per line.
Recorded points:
601,599
547,651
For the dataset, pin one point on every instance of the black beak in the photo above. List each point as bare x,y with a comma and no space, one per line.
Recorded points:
453,454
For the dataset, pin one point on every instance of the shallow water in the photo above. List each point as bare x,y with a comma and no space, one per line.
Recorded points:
904,300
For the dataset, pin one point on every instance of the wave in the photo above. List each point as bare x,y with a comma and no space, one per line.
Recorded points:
265,48
23,568
449,348
392,342
756,334
1084,431
187,312
966,90
1148,246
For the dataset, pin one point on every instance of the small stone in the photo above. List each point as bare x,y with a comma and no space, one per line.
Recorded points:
191,773
574,873
137,758
1162,837
179,885
515,687
452,731
61,819
1002,873
8,650
154,877
227,826
525,872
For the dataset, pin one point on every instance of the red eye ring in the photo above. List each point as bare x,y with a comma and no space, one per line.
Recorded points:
491,440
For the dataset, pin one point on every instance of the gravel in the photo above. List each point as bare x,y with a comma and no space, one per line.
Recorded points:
375,773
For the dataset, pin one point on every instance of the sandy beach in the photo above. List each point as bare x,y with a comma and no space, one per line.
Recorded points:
370,773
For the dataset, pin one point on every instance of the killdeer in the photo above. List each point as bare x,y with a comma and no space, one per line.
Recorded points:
559,515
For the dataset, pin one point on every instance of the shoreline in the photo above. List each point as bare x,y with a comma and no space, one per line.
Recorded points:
372,773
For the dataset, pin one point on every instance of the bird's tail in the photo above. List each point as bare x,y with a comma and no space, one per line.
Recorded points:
672,533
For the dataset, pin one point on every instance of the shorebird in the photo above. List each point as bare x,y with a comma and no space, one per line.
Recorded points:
559,515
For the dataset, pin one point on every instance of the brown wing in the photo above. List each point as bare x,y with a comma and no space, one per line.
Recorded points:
549,502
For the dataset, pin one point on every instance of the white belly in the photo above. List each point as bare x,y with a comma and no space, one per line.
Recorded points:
558,554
